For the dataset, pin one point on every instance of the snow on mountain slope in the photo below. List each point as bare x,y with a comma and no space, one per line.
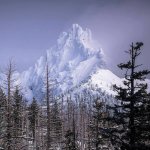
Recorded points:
74,60
74,57
105,80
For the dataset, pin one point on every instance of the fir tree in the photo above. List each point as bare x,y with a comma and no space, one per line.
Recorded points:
33,117
97,125
131,112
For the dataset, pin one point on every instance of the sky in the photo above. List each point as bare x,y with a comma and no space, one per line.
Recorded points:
29,27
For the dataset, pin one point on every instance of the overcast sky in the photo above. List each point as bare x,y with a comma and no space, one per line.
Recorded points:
29,27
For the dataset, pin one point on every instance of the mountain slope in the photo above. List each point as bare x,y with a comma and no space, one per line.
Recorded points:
73,59
75,63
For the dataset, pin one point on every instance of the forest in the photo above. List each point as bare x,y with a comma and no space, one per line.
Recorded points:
78,121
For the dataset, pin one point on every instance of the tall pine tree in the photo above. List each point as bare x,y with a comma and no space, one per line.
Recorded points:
131,111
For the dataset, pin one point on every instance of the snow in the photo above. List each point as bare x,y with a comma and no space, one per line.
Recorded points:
105,80
75,58
71,60
84,69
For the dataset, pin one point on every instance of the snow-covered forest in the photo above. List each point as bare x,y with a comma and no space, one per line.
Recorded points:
84,117
74,75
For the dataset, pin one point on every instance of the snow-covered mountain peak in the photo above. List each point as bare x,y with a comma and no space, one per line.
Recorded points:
76,35
76,62
73,58
72,47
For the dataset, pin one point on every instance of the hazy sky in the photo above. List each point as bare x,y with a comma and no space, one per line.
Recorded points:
29,27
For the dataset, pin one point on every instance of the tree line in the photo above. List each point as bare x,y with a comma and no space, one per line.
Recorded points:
82,121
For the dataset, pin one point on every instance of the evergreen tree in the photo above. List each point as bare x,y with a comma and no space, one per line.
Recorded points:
69,140
70,136
130,118
97,125
56,125
17,119
2,117
17,113
143,118
33,117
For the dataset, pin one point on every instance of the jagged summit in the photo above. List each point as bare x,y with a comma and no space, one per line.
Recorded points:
73,58
79,36
74,46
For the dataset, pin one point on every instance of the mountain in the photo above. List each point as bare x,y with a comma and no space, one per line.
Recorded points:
73,59
75,63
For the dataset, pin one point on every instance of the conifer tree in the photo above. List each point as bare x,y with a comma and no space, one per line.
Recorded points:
17,112
17,119
56,125
97,124
33,117
2,117
69,140
130,115
70,136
